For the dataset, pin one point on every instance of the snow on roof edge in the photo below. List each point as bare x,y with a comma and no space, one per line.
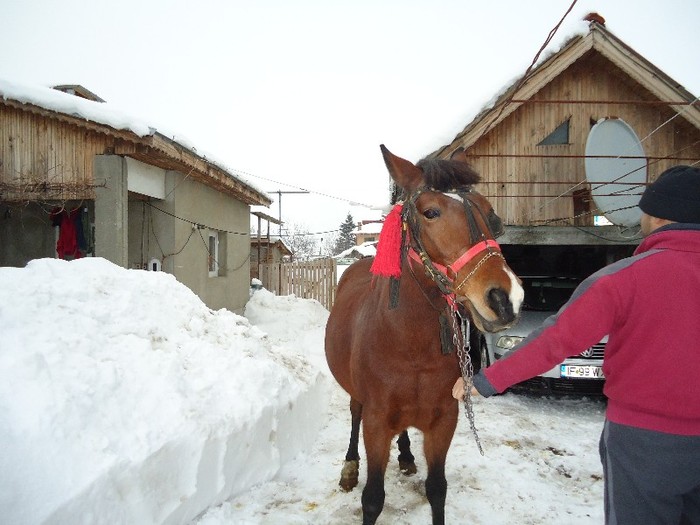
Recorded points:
74,106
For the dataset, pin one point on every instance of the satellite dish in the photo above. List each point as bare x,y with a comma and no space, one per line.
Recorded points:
616,169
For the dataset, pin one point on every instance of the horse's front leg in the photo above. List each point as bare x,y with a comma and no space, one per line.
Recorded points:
377,438
436,444
351,468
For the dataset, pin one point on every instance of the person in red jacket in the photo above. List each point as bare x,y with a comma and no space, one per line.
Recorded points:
649,306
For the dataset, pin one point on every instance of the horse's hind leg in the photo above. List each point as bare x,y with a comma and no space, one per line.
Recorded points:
351,468
407,463
436,443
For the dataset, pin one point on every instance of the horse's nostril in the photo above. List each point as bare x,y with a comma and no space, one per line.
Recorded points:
499,302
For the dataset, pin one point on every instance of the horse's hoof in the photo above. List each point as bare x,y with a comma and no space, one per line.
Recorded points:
349,475
408,467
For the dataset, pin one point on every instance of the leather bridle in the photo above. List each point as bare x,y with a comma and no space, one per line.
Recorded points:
439,273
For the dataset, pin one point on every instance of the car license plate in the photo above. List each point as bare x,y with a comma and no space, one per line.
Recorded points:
582,371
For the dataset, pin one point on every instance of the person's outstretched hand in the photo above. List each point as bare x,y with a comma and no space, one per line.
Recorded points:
458,390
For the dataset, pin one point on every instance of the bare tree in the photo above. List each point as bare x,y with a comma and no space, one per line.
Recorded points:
298,239
328,242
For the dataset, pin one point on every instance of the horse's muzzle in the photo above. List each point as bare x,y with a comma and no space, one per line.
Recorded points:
499,302
501,311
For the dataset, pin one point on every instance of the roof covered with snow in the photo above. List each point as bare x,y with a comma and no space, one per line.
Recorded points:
525,85
366,249
74,105
369,228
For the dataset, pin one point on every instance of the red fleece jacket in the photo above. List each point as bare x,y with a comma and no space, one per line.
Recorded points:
649,305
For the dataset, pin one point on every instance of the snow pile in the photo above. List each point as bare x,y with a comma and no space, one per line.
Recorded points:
124,399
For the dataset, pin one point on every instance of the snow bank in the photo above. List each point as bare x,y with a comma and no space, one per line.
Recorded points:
124,399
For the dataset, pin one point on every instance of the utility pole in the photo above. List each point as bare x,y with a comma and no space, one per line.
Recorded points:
279,204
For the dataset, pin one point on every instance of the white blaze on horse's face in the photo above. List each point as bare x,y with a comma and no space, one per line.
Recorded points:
454,196
517,293
476,295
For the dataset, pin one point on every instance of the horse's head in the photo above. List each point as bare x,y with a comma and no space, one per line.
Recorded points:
451,231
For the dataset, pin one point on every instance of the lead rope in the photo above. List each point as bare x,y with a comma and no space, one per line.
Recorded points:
466,367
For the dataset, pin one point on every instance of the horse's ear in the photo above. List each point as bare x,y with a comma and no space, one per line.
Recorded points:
459,155
406,175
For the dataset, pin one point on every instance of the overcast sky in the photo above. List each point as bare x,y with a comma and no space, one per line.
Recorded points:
299,94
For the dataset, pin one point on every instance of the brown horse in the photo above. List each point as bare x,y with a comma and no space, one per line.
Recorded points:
383,337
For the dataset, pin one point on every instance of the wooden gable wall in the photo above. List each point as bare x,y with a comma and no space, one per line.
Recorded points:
524,180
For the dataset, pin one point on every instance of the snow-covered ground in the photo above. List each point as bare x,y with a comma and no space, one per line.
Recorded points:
124,399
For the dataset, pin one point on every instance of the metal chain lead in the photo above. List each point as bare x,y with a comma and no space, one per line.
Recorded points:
467,369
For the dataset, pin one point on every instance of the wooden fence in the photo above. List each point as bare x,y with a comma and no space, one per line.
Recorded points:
308,279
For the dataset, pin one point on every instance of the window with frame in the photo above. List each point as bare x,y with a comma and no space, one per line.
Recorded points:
560,135
213,253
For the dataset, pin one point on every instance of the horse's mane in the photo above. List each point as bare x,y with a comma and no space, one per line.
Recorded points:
442,175
447,175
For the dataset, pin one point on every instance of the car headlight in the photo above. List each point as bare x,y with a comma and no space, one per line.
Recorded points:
508,341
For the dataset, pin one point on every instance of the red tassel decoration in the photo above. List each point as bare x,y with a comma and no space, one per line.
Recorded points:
387,262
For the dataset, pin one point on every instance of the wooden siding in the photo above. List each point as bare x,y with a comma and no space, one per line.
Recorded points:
46,159
533,185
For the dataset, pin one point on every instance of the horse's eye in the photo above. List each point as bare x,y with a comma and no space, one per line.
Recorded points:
495,224
431,213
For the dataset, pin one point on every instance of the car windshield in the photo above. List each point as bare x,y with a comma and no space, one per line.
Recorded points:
547,293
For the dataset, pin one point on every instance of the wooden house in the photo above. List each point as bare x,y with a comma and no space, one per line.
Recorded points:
78,178
367,231
267,250
530,145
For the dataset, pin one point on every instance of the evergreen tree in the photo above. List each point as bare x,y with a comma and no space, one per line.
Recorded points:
346,239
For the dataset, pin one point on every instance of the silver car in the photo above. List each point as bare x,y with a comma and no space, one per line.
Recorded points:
544,296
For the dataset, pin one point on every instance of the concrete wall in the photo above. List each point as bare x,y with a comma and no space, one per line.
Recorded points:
25,234
162,229
111,210
217,212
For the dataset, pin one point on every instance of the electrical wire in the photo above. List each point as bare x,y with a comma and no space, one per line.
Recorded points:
321,194
215,259
195,224
526,75
616,181
199,225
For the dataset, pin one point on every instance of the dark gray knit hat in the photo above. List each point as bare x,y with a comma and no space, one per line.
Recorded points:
674,196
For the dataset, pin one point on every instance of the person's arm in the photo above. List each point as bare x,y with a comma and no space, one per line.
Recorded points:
581,323
480,386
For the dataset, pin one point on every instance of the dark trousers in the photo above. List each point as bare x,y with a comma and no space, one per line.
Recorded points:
651,478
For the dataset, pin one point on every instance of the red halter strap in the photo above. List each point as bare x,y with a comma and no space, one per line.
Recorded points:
471,253
463,259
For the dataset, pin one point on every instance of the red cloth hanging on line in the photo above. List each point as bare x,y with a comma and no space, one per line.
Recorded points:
67,244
